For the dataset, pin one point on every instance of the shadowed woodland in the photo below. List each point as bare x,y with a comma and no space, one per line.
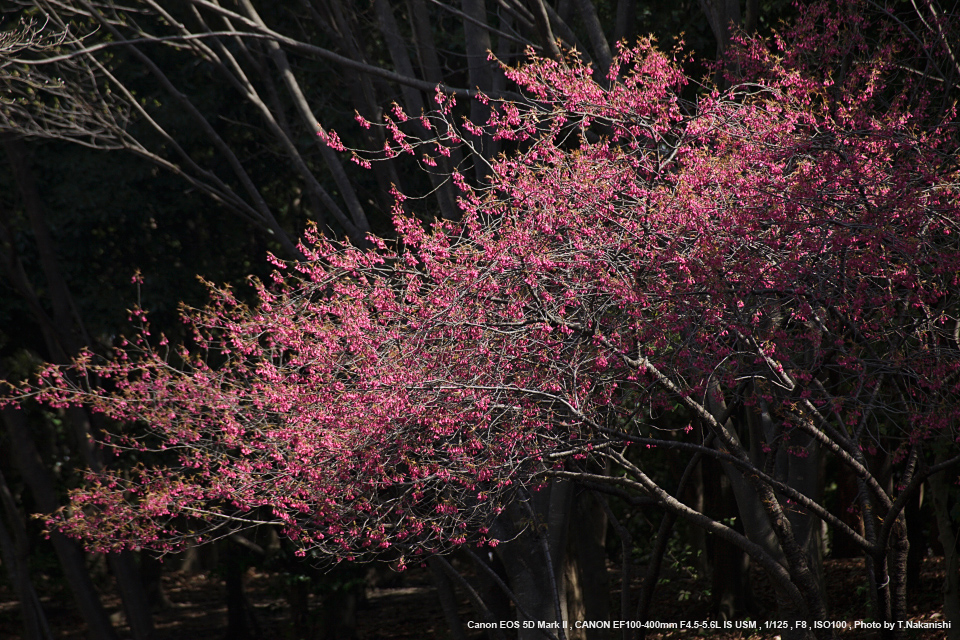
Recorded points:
566,295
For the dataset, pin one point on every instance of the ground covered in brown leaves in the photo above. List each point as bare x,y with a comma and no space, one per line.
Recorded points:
410,608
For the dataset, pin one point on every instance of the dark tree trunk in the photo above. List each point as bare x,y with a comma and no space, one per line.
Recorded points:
940,490
849,513
535,580
15,555
897,568
242,621
135,604
72,561
480,73
724,18
63,334
448,600
729,566
489,590
587,563
626,15
151,574
917,536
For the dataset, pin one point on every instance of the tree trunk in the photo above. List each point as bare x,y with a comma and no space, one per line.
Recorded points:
15,556
536,580
363,93
37,477
586,564
724,18
626,16
134,598
917,535
849,513
414,105
479,70
489,578
729,566
897,574
151,574
63,340
766,524
804,473
732,594
448,599
940,489
241,620
601,48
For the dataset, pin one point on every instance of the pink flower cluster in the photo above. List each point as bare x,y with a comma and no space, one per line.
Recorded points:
784,241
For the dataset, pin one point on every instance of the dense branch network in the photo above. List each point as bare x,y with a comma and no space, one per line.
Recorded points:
773,274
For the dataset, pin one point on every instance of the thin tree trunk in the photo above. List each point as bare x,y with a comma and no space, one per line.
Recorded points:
414,104
359,224
587,558
151,575
15,555
62,342
448,599
37,477
601,48
940,488
479,70
626,15
541,18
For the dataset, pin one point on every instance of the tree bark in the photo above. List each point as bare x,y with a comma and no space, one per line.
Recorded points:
626,15
724,17
585,570
480,73
242,622
940,489
63,341
601,48
917,536
729,566
536,583
151,574
448,599
15,556
415,106
37,477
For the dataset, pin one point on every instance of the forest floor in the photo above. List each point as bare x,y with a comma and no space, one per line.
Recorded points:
409,609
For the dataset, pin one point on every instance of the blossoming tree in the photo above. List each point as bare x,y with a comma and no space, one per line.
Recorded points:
775,264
